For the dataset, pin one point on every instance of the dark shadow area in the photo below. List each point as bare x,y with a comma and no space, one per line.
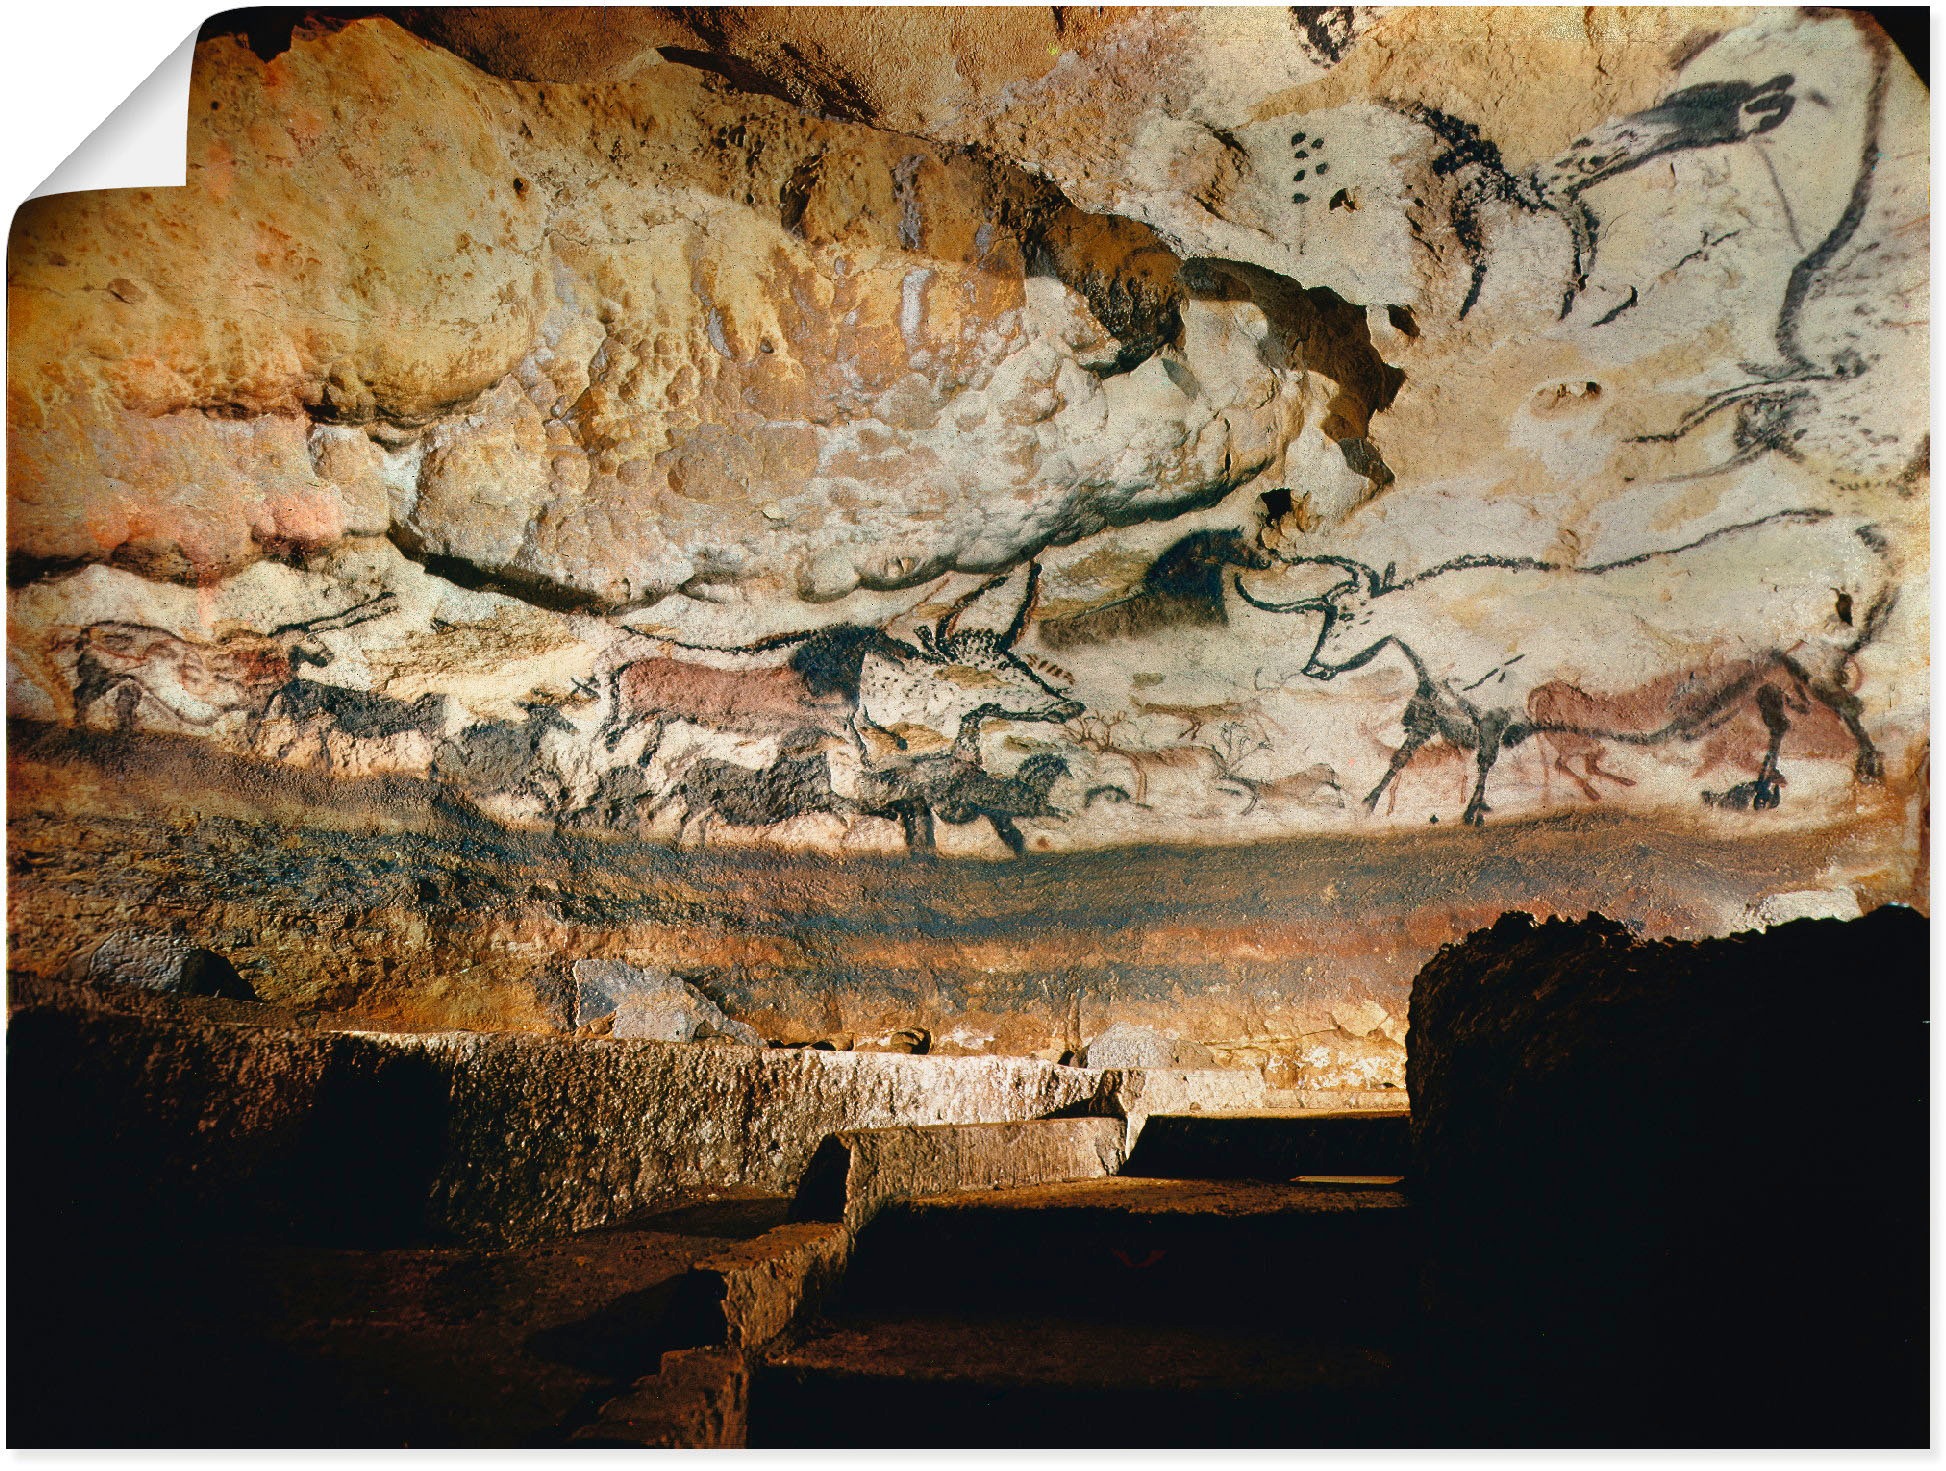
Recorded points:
221,1236
1192,1147
734,1217
1651,1218
822,1188
629,1336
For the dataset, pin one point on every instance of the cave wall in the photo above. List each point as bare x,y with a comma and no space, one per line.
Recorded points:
999,520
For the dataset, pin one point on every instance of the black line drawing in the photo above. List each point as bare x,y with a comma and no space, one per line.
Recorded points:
195,683
957,789
1455,705
1707,115
837,677
1182,588
1326,33
798,782
953,788
1769,402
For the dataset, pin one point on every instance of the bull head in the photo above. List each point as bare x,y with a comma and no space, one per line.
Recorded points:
301,640
1704,116
1342,609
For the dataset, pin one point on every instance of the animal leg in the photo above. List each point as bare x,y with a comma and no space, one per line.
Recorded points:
916,819
1762,794
616,724
124,695
1770,705
1492,730
1009,833
1870,766
1420,727
127,701
1594,766
1240,788
1587,786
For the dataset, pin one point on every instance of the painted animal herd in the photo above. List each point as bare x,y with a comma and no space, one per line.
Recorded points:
855,722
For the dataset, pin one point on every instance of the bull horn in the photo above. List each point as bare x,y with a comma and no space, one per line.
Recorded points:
376,606
1016,622
1358,571
1302,605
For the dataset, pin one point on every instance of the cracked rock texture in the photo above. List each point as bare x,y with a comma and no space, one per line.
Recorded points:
825,441
246,1122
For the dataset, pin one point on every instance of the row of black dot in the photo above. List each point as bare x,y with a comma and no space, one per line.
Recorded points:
1301,150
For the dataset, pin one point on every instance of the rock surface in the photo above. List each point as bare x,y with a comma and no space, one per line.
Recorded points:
869,434
158,961
698,1399
650,1006
383,1137
1124,1046
856,1171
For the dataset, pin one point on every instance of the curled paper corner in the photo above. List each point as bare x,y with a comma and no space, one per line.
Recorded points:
142,144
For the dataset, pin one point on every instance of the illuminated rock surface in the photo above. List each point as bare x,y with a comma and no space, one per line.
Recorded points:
1177,456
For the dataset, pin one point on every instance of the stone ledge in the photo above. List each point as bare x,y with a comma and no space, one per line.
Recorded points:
698,1400
464,1137
855,1172
761,1286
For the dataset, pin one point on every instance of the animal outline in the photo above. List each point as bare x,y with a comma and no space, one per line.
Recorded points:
1768,403
1706,115
195,683
849,680
1482,701
953,787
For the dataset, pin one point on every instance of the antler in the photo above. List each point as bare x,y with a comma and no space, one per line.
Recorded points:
376,606
947,628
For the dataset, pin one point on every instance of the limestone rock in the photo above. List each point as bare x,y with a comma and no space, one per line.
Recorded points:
158,961
368,1135
650,1006
856,1171
912,1041
1126,1046
697,1400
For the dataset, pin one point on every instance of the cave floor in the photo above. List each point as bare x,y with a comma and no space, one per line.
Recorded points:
233,1345
1123,1311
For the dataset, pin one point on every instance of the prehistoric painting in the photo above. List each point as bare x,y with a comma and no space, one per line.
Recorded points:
984,524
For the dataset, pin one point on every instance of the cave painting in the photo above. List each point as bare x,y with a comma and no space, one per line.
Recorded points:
1497,682
1363,454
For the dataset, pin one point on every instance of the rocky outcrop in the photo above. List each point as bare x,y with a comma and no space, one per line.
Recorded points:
283,1131
1124,1046
158,961
626,1003
856,1171
1640,1232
